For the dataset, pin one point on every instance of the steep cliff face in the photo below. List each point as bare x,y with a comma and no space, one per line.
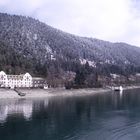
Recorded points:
39,45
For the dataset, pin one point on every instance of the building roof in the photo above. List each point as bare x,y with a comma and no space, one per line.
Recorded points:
38,78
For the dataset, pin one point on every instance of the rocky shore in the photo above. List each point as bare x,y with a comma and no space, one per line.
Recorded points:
41,93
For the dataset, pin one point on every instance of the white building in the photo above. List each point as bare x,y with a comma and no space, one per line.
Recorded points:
12,81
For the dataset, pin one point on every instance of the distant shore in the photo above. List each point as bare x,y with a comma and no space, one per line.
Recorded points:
54,92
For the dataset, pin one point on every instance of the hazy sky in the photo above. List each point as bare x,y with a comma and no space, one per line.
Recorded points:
113,20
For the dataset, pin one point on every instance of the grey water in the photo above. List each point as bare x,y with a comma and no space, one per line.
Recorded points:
107,116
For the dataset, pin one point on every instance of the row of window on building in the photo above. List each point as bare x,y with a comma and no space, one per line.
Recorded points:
21,81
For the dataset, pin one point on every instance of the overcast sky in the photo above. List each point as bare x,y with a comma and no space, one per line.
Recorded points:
112,20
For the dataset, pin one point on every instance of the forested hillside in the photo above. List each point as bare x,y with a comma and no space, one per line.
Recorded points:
29,45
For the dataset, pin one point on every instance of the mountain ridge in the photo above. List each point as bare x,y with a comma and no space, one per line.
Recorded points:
45,48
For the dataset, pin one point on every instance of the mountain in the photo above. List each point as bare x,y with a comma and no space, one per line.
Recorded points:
27,44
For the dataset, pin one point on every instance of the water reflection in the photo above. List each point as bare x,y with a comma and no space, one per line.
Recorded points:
107,116
121,94
15,107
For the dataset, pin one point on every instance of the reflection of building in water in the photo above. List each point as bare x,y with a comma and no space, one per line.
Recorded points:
18,107
3,113
121,94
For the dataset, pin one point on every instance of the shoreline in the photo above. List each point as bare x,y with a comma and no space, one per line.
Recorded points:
55,92
42,93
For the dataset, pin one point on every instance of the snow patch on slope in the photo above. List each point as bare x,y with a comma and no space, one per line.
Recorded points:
91,63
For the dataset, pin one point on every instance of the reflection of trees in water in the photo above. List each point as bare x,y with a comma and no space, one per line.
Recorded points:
59,116
78,107
91,106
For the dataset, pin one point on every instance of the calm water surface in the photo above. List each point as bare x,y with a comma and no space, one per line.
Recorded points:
105,116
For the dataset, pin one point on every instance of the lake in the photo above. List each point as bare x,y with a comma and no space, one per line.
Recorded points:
106,116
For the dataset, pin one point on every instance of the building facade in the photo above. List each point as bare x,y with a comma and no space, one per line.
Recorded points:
19,81
39,83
